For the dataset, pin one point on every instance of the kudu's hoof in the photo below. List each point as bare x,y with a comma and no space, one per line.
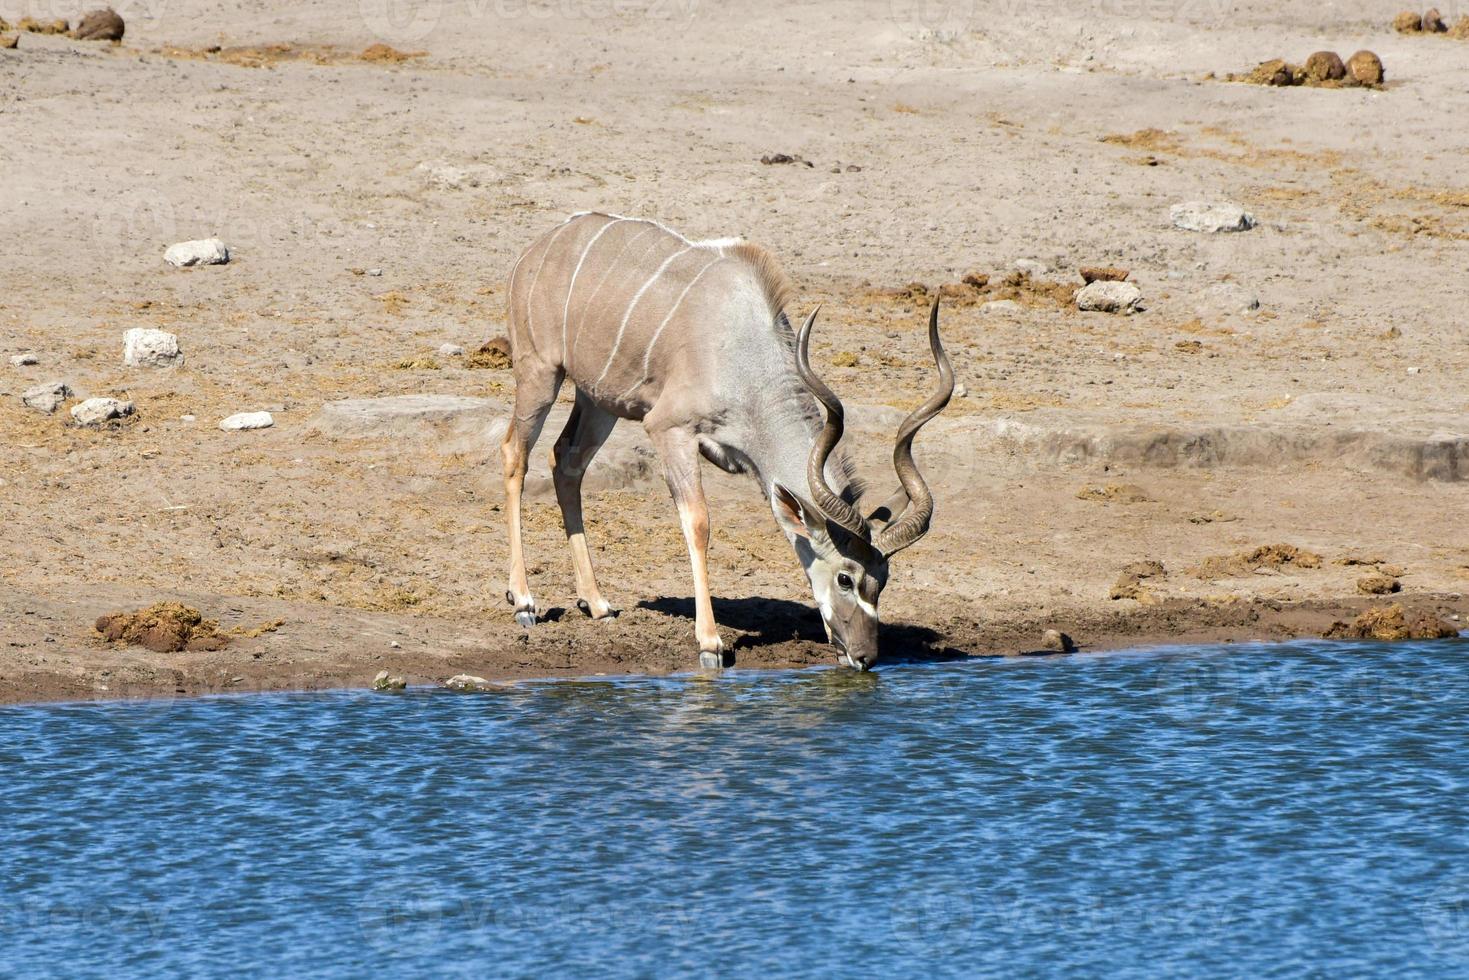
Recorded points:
526,618
716,661
586,609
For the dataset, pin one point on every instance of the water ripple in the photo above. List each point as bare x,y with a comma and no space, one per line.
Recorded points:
1244,811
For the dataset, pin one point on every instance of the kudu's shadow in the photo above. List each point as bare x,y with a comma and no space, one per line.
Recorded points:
766,622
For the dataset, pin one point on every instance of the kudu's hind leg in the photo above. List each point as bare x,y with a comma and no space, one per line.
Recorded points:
680,453
585,433
535,393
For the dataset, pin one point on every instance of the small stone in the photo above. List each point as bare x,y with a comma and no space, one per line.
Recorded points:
1207,216
961,391
24,360
1000,306
8,41
95,411
1407,22
374,272
1415,370
146,347
1057,641
451,350
247,420
1031,267
186,418
1109,296
1365,68
1433,22
46,398
205,251
385,681
101,25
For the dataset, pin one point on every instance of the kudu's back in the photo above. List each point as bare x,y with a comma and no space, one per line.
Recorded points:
626,308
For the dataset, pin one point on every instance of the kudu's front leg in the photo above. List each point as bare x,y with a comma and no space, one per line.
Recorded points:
680,453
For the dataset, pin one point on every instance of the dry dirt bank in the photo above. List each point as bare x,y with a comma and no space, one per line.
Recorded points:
1332,417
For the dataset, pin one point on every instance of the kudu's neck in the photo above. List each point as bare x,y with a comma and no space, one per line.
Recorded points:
783,449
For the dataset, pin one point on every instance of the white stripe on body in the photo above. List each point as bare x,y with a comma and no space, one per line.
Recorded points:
608,274
632,306
530,294
566,310
653,341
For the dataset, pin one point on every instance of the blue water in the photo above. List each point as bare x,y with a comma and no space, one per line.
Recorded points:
1242,811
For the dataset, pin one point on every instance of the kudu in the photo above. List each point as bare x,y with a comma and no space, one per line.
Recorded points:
690,338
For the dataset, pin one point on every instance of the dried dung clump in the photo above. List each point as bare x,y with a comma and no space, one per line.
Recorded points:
9,40
1276,71
1365,68
1121,493
164,627
1324,66
100,25
1129,584
1103,273
1407,22
386,54
1391,623
975,288
777,158
1378,584
493,354
1460,31
1263,557
42,26
1433,22
1323,69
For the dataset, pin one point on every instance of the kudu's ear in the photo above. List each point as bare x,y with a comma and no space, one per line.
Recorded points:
791,511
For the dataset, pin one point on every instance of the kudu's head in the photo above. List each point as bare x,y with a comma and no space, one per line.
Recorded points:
845,554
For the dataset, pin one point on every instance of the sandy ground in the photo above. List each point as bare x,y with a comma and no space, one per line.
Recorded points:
1334,418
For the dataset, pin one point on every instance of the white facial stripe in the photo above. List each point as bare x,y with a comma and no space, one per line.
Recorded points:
866,607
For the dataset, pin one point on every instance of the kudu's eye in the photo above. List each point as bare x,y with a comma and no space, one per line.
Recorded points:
844,581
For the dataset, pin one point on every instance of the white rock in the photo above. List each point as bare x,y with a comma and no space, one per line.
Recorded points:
1105,296
961,391
1210,216
1000,306
467,682
374,272
24,360
1227,298
1033,267
95,411
146,347
247,420
46,398
1414,370
186,418
451,350
205,251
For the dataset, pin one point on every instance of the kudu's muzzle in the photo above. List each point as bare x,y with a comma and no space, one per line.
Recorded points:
857,643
